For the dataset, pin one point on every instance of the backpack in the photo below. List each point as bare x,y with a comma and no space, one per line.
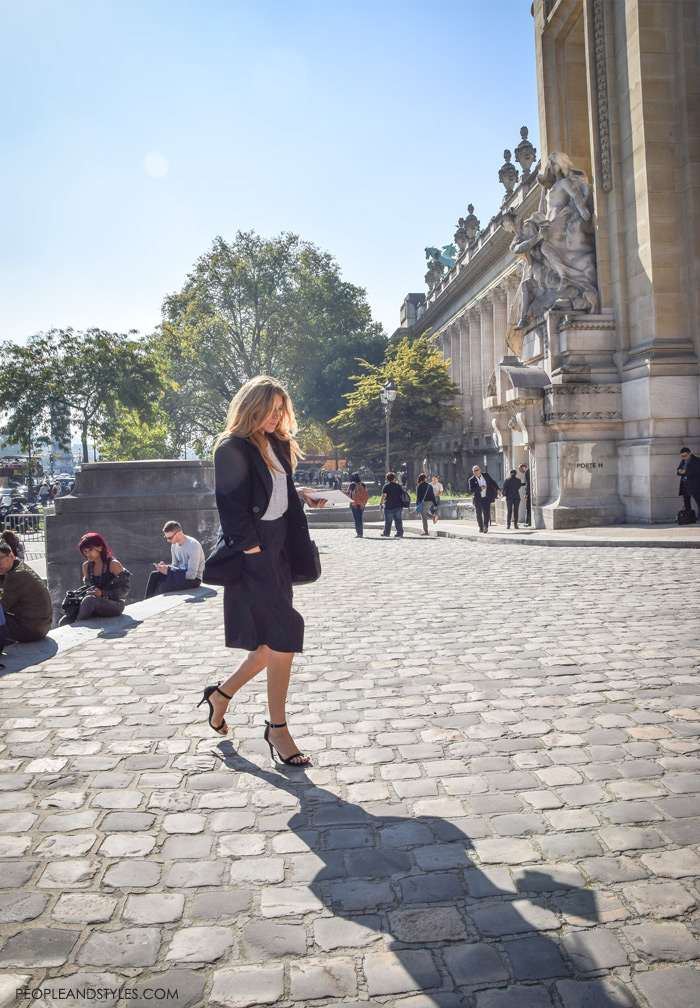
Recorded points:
359,494
405,498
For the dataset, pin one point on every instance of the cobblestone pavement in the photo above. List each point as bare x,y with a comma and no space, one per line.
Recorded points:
502,813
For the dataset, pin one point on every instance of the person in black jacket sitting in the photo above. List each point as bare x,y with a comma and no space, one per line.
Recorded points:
485,491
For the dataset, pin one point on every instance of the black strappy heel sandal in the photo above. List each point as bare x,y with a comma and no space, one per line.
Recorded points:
290,759
208,690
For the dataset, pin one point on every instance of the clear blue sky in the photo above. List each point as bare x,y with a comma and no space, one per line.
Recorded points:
135,131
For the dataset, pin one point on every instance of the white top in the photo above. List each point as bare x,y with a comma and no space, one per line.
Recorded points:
437,487
188,557
482,484
279,500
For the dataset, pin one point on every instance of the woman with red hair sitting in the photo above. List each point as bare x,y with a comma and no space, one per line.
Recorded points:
107,578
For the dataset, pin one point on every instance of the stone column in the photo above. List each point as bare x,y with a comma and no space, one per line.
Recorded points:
511,284
475,370
487,362
499,296
465,370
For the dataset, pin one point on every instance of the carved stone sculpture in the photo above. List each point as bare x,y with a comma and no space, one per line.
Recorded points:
525,153
435,267
467,229
540,284
557,244
508,174
568,243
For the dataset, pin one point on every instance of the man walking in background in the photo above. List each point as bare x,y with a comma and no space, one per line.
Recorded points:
186,564
485,491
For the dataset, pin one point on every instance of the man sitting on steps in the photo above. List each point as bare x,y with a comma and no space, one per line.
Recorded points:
186,564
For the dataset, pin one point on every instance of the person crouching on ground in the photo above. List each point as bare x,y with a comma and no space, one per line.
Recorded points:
107,579
392,500
511,492
425,496
484,490
263,521
25,604
186,564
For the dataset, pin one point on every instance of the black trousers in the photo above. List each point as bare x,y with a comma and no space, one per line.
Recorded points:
156,584
512,506
483,511
13,630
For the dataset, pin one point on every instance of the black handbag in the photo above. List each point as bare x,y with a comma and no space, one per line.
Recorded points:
71,603
304,559
224,565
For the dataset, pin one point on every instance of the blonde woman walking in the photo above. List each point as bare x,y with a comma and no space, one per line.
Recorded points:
263,519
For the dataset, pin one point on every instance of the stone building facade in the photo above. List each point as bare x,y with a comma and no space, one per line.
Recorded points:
570,321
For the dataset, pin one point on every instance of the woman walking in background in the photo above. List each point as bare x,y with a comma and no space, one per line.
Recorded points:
262,519
359,496
425,496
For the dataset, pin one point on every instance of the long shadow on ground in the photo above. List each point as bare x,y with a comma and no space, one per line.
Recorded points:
452,926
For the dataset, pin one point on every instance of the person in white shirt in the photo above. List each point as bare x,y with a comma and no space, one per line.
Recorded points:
186,564
484,490
437,491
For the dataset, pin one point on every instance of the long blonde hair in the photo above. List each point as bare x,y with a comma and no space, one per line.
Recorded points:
249,408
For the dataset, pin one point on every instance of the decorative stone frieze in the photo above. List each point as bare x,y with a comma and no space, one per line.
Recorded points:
602,95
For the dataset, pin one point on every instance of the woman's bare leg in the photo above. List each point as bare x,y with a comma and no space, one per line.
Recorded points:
279,667
252,664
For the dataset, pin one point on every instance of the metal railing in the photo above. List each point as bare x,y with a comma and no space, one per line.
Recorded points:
29,527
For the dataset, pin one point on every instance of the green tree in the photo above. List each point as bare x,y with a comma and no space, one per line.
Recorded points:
424,402
256,306
65,379
127,437
313,437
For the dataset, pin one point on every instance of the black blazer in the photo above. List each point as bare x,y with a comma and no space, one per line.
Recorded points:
511,488
491,487
690,477
244,488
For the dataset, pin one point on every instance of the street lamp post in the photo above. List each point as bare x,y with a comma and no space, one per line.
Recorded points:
387,396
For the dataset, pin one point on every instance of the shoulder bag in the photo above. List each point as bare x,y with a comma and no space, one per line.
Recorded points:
304,558
224,565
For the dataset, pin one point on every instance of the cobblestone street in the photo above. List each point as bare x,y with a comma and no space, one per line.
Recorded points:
503,809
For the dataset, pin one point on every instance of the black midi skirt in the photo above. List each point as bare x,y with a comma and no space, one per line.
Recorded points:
258,610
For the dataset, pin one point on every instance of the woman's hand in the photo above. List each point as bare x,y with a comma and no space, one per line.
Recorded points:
96,592
304,494
255,549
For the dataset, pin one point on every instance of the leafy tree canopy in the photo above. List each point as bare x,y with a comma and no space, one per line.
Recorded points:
257,306
126,437
64,378
424,402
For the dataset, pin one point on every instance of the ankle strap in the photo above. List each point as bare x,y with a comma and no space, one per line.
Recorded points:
271,725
